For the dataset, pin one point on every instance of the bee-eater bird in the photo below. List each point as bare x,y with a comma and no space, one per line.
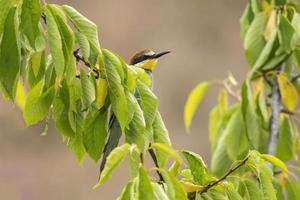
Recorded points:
146,60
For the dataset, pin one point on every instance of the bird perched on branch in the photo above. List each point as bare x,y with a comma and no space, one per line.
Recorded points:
146,60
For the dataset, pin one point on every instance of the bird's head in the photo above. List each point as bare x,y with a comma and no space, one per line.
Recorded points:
146,59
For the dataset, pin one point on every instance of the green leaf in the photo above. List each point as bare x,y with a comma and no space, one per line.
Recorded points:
134,133
216,115
193,102
249,189
10,55
113,161
266,177
134,161
144,185
198,167
159,192
116,89
288,92
55,43
220,156
251,120
254,41
292,188
267,53
168,150
160,135
235,137
38,103
127,193
88,90
95,134
148,101
287,148
275,161
5,6
232,194
246,20
286,34
30,18
84,45
174,188
87,29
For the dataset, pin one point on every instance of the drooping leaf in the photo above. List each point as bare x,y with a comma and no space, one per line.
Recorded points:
159,193
235,137
87,29
134,161
251,120
246,20
55,43
288,140
193,102
198,167
292,188
127,193
116,89
95,134
30,17
249,189
113,161
160,135
286,34
88,90
254,41
144,186
174,188
10,55
38,103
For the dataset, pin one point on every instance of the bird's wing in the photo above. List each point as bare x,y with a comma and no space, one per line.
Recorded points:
114,131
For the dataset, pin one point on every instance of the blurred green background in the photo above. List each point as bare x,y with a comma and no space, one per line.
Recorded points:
204,39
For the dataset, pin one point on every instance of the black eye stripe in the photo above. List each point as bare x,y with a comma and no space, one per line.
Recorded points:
141,59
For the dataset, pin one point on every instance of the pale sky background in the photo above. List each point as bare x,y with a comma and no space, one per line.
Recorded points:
204,39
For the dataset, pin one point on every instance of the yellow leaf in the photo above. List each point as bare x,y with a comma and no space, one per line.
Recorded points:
101,93
190,187
288,92
21,96
193,102
275,161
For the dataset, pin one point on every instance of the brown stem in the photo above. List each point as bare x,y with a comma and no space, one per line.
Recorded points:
206,188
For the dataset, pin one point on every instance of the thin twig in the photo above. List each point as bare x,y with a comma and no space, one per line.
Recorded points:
206,188
154,158
294,78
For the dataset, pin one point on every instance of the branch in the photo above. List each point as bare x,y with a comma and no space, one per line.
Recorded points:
232,170
294,78
275,118
79,58
154,158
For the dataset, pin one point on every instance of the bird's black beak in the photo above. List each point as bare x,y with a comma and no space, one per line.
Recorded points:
157,55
